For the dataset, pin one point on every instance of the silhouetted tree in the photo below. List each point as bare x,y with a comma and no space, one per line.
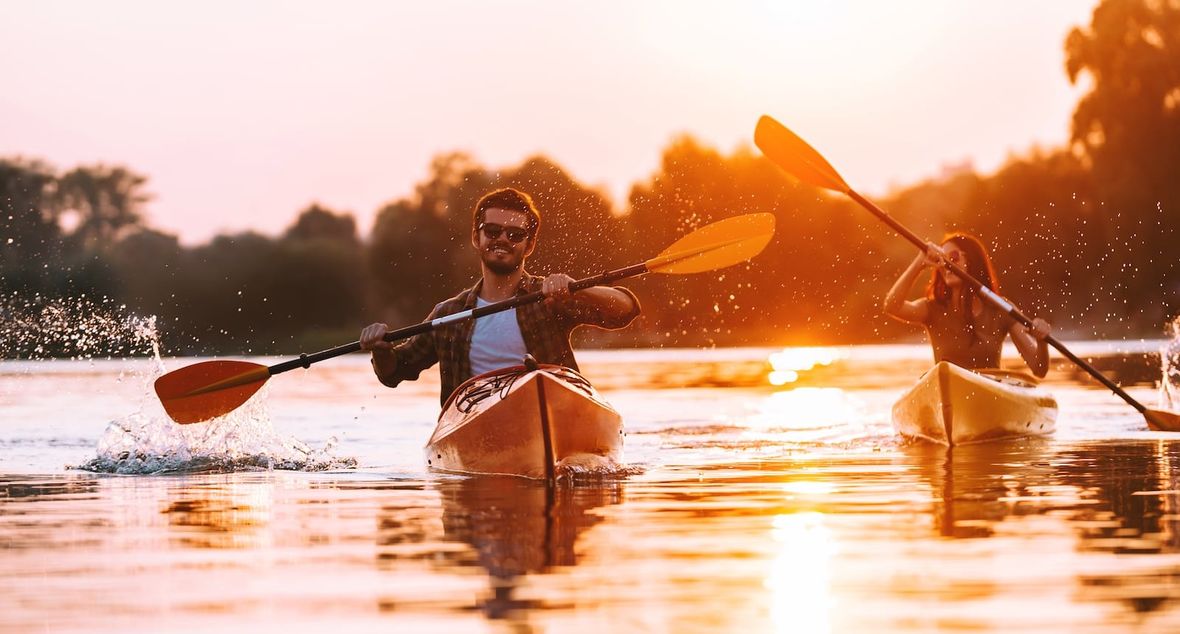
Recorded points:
794,292
420,249
29,233
1083,234
1128,127
319,223
148,275
105,201
580,234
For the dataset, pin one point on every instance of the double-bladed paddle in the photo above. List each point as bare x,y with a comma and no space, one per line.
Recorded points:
210,389
791,153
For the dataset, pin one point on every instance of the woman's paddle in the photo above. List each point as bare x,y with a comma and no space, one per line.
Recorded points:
791,153
210,389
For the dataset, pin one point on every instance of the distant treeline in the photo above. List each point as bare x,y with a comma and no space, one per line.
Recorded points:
1085,235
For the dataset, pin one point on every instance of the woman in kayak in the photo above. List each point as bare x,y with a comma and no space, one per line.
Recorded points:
964,329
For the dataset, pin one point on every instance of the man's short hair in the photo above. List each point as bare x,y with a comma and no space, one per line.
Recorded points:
512,200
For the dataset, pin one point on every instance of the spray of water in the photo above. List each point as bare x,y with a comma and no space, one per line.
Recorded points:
78,328
244,440
1170,365
83,329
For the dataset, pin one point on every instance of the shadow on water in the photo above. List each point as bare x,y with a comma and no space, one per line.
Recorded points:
509,527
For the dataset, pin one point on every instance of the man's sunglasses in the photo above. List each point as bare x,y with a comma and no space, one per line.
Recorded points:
492,231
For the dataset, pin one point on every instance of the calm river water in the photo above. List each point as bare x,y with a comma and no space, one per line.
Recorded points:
750,507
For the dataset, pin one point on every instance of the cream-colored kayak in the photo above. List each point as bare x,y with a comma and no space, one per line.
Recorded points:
954,406
526,422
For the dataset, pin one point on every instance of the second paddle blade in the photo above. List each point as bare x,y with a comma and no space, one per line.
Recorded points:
791,153
716,246
209,389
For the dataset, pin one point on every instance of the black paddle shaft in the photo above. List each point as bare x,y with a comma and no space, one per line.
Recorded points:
995,299
305,360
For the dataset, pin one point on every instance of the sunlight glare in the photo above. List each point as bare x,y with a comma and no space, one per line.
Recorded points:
788,363
808,487
807,408
800,579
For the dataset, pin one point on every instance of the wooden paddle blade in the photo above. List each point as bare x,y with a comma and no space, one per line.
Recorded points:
209,389
791,153
716,246
1162,420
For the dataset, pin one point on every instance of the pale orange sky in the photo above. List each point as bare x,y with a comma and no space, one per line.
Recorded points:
242,113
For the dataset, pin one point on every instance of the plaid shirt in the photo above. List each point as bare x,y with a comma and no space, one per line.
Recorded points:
545,330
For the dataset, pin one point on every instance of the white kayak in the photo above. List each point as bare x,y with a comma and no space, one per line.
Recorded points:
955,406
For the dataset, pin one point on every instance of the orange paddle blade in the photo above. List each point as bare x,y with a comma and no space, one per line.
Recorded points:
716,246
209,389
791,153
1162,420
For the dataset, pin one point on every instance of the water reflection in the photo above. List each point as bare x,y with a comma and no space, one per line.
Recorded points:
1120,498
1131,492
1132,519
1118,502
801,577
976,487
24,526
510,528
761,508
811,409
73,487
224,514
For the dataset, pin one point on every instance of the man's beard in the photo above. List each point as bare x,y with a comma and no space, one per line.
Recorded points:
501,267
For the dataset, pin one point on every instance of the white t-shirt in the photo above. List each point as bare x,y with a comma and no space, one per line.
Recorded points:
496,342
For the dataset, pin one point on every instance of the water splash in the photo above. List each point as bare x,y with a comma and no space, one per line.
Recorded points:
1170,365
589,468
78,328
147,442
244,440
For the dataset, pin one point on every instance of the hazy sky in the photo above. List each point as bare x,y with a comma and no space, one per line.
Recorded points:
242,113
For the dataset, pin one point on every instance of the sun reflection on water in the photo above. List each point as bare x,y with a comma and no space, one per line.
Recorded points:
808,487
800,579
807,408
788,363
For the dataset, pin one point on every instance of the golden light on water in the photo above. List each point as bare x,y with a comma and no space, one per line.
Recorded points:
807,408
231,515
801,575
808,487
788,363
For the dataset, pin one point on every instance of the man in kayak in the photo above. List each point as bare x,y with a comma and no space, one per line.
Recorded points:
963,328
504,233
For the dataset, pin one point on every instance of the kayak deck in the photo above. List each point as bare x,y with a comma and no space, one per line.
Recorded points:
951,405
525,422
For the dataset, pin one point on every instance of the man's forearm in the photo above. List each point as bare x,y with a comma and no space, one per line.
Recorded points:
607,299
384,365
